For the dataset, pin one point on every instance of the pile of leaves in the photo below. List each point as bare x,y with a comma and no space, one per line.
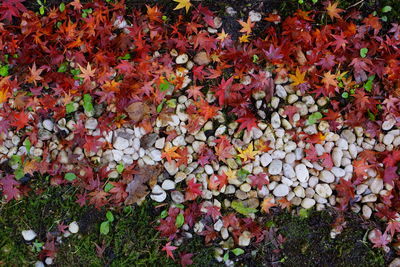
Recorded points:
70,58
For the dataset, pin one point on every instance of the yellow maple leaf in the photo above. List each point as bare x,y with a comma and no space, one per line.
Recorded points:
183,4
244,38
231,174
222,36
248,153
298,78
246,26
333,11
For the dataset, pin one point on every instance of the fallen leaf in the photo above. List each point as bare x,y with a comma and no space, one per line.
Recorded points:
137,111
143,180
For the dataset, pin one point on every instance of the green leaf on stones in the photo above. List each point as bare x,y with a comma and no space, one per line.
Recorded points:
120,168
27,145
180,220
4,70
70,176
369,83
69,108
108,187
239,207
63,67
237,251
87,103
314,118
242,174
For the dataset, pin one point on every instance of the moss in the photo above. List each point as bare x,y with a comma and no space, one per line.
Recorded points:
308,241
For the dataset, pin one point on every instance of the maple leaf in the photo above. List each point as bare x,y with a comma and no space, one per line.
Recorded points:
259,180
168,249
3,95
380,240
86,73
246,26
248,153
267,204
393,227
194,92
209,233
327,161
373,22
76,4
193,190
230,174
21,120
248,122
311,153
333,11
329,80
169,152
244,38
183,4
92,143
35,74
186,259
11,8
98,198
224,150
298,78
222,36
9,187
214,212
284,203
390,175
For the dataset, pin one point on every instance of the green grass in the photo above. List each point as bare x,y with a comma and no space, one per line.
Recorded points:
132,240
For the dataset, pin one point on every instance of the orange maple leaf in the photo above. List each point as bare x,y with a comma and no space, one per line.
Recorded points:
333,11
267,204
246,26
329,79
35,74
169,152
86,73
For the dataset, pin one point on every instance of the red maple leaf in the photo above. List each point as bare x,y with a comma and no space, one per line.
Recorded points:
311,153
92,143
393,227
210,234
10,188
214,212
11,8
259,180
20,120
380,240
168,249
167,227
326,161
390,174
186,259
230,220
193,190
247,122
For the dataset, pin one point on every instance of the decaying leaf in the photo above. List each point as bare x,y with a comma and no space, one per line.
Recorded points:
144,180
137,111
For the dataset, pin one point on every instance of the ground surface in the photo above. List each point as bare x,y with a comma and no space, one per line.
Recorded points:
133,240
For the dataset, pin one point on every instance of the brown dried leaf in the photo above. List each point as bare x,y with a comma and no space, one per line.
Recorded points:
145,178
137,111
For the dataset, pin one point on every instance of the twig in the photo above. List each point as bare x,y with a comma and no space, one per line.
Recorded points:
356,4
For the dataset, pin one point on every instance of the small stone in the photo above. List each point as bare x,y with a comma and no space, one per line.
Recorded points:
280,91
323,190
302,173
254,16
202,58
39,264
349,136
73,227
121,143
299,192
395,263
218,225
275,120
160,143
245,187
308,203
366,212
326,177
338,172
281,190
117,155
158,194
171,168
342,144
244,239
168,185
91,124
28,235
48,125
369,198
182,59
208,169
265,159
48,261
388,139
44,135
337,156
376,185
155,155
288,171
275,167
388,124
292,98
136,144
177,197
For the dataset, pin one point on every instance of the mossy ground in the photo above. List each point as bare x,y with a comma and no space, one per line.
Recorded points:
133,241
